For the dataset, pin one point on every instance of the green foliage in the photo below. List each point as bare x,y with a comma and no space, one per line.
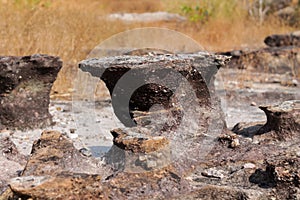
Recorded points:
202,11
197,13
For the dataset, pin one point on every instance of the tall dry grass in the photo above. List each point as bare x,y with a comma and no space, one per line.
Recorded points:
71,28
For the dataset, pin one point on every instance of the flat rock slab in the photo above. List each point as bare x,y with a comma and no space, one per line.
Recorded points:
25,84
134,141
146,17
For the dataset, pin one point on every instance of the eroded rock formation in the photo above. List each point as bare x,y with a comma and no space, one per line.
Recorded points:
170,95
144,81
25,84
282,122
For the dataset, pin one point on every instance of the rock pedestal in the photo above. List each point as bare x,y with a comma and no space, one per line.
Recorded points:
283,119
25,84
137,83
171,96
283,122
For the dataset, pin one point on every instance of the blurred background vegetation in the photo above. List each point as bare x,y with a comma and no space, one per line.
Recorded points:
72,28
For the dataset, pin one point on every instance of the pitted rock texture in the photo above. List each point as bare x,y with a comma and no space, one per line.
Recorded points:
25,84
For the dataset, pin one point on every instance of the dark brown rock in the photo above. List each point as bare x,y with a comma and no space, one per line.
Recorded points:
283,119
25,84
158,184
143,81
62,186
171,95
292,39
277,60
282,122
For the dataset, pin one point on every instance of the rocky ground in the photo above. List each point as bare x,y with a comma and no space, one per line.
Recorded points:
90,134
256,156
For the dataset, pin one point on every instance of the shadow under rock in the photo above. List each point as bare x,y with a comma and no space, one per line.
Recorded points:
264,179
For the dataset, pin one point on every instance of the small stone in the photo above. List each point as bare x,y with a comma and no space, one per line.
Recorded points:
72,130
295,82
249,166
235,143
85,151
213,173
142,158
151,164
253,103
73,136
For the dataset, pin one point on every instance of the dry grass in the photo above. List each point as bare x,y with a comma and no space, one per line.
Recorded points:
70,29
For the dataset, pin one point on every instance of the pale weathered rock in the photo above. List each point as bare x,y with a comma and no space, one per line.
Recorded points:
146,17
56,170
25,84
282,122
11,161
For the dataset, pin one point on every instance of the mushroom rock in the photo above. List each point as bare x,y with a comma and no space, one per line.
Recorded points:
25,84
